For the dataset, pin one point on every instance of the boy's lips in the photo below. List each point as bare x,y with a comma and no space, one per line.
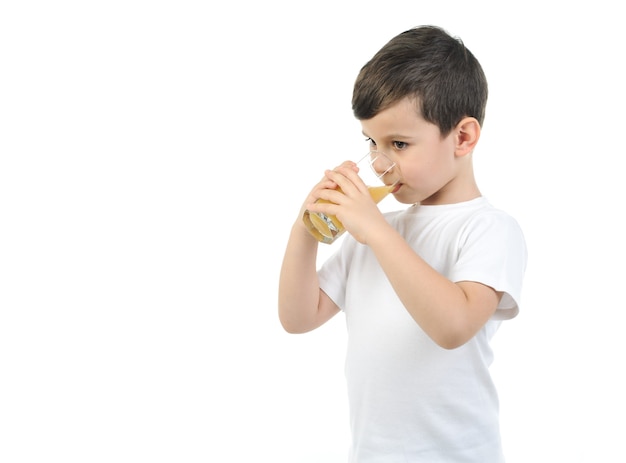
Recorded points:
396,188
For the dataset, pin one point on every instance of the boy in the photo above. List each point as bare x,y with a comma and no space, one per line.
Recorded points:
423,289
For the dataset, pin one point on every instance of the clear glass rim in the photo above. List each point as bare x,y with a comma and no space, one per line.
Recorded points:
372,155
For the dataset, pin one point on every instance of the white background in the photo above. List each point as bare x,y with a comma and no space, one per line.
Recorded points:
153,156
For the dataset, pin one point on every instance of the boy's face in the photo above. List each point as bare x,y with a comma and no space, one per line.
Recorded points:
429,171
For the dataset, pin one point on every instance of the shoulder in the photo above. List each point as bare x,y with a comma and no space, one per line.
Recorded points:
491,234
485,218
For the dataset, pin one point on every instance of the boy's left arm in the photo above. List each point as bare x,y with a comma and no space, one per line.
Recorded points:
450,313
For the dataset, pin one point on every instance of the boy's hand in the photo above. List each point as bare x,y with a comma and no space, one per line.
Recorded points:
324,184
350,201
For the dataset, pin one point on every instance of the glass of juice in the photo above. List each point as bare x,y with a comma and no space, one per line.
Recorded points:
373,168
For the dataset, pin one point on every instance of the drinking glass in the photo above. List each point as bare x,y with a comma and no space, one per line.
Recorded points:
372,169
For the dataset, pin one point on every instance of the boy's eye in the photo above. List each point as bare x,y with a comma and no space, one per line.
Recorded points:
370,141
399,145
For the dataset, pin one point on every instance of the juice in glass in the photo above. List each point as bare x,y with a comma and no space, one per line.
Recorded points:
327,228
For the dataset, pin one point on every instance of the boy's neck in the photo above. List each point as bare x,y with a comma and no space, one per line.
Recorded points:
461,188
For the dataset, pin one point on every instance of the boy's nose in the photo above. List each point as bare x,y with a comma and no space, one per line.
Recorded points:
381,163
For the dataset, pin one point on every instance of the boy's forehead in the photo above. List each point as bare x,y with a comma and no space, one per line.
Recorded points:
401,119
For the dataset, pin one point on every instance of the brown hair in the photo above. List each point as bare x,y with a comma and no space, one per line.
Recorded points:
429,65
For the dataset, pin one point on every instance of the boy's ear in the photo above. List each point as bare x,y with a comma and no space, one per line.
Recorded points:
467,134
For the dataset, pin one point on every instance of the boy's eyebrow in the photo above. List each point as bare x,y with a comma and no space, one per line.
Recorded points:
391,136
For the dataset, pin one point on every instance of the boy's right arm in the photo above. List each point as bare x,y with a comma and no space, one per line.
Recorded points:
302,305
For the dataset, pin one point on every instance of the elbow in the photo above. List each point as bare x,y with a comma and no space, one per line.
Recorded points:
291,326
451,333
450,343
451,339
294,329
286,325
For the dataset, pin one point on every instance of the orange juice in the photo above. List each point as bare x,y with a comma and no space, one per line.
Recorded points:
327,228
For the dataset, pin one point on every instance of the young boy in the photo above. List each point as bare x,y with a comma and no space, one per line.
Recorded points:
423,289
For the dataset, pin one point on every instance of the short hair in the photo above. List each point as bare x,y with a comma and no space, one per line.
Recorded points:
429,65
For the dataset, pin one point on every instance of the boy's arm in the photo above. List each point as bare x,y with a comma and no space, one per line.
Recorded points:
302,306
450,313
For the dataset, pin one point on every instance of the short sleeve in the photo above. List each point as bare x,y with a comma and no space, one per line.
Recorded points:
492,251
333,274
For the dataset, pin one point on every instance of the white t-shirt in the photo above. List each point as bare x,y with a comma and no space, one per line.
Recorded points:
411,400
